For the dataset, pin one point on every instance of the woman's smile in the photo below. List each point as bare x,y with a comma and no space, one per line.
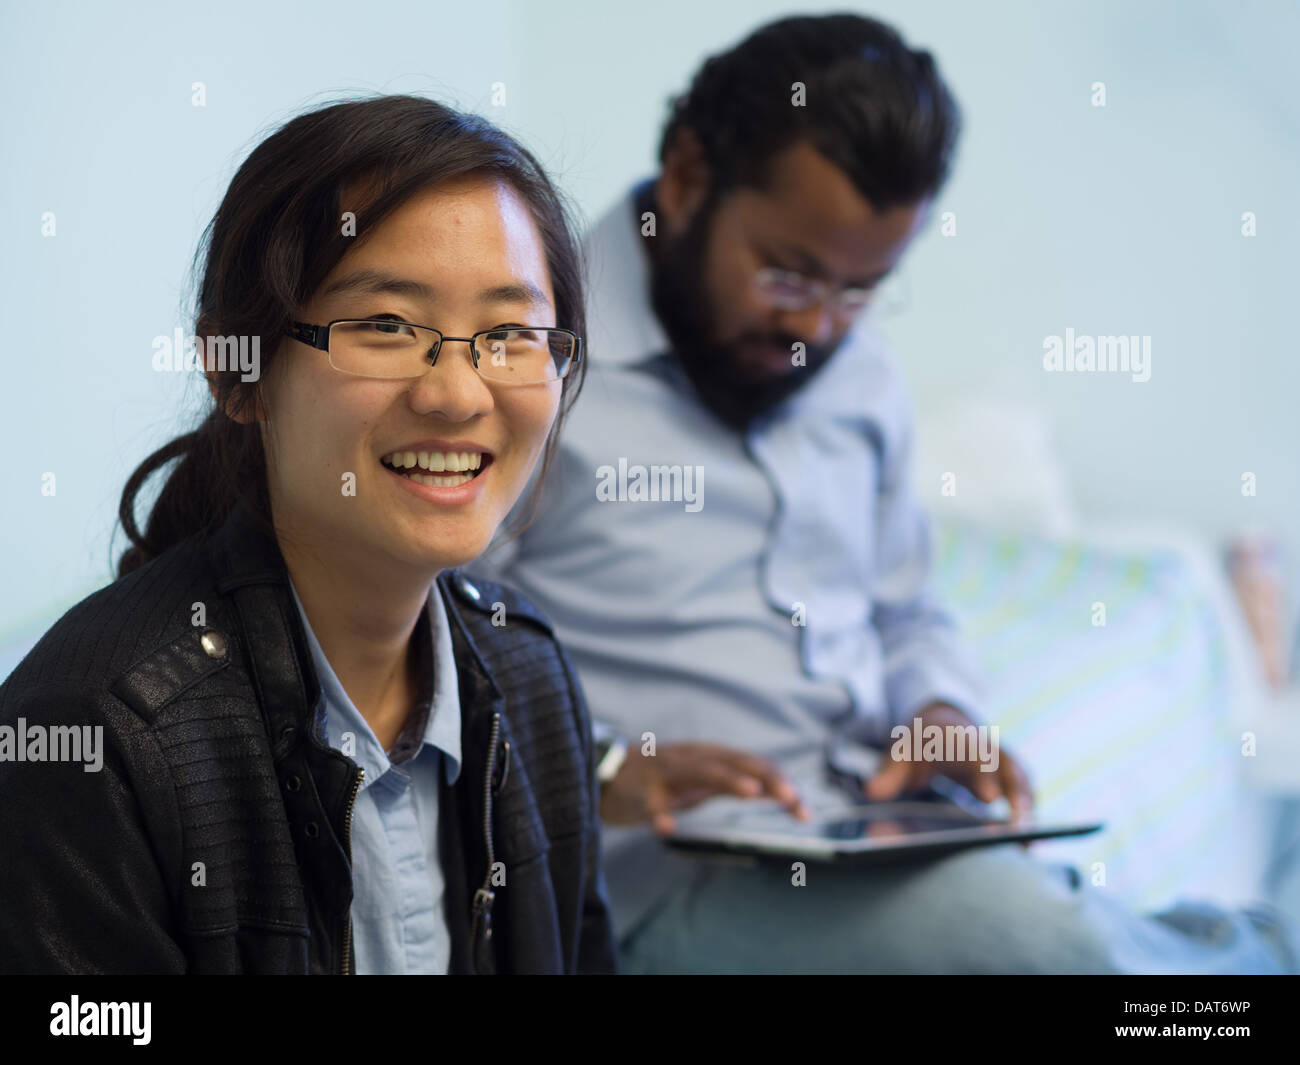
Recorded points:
448,475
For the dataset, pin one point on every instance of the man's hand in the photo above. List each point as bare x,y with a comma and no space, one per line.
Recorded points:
897,777
681,775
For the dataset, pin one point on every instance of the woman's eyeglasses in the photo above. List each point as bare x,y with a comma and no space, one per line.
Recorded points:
377,347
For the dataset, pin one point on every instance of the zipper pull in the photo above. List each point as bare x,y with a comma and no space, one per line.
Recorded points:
502,776
480,948
480,932
483,899
480,929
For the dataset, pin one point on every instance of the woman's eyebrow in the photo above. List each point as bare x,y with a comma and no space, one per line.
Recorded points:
515,292
375,281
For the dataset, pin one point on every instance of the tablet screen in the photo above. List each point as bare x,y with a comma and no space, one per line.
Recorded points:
874,827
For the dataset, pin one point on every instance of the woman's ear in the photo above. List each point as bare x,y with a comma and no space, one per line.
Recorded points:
237,406
235,409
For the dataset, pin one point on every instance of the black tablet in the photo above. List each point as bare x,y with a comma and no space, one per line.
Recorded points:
869,832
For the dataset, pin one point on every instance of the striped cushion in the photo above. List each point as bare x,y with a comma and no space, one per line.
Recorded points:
1126,722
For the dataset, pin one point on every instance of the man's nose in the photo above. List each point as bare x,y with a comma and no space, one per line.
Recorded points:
814,324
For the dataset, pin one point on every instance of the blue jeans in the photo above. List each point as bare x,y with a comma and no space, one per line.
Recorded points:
989,910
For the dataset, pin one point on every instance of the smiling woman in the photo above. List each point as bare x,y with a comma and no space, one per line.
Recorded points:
467,254
323,751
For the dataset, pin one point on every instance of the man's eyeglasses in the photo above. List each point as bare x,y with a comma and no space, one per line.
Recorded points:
378,347
787,291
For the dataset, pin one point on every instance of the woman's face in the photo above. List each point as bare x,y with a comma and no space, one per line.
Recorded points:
462,257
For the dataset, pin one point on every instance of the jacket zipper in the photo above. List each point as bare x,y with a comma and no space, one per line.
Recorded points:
484,896
347,843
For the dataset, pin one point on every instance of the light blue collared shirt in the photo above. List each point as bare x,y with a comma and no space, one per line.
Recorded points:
399,923
782,609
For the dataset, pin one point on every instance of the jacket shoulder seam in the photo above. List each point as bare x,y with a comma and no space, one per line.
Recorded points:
169,671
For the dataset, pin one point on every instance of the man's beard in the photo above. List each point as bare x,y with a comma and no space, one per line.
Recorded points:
677,294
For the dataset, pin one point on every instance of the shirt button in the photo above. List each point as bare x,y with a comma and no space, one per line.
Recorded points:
213,643
470,590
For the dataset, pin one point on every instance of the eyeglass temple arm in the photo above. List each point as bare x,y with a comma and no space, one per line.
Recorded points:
317,336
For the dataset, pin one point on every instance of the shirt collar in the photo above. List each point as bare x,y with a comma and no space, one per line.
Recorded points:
623,328
435,717
443,727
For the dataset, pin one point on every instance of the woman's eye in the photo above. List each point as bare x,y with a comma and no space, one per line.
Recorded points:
388,326
502,333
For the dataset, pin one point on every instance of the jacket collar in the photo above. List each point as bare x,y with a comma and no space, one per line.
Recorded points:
250,569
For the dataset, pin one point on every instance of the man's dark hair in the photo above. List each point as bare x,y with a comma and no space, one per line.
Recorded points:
874,107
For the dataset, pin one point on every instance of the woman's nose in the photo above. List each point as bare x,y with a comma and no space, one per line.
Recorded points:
452,386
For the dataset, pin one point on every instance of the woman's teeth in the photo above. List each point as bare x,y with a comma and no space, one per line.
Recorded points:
436,461
457,467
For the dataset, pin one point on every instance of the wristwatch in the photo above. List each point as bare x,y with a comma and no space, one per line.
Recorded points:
611,751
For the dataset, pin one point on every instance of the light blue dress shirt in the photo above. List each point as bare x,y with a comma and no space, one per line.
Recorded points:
399,923
784,609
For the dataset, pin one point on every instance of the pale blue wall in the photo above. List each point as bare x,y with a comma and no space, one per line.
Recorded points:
1116,220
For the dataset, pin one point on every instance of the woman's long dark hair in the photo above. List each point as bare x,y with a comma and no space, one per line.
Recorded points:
278,233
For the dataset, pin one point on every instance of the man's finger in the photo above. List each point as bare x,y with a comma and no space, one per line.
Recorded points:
657,806
986,787
770,778
989,785
716,778
732,772
889,781
1018,790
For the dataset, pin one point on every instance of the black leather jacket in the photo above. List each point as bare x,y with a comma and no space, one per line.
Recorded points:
214,839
